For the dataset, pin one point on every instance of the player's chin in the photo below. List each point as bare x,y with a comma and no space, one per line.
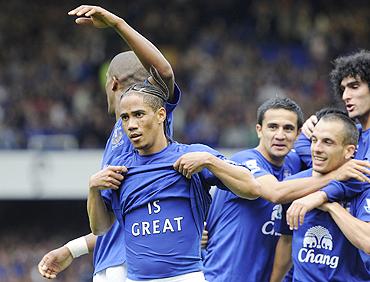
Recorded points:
280,151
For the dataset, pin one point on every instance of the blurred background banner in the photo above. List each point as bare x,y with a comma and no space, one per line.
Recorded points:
47,174
228,57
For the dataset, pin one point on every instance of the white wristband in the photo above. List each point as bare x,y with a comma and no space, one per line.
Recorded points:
78,247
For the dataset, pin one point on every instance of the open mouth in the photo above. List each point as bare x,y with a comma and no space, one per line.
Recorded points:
135,136
350,107
279,146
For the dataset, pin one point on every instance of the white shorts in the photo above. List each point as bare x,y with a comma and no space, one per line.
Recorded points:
188,277
112,274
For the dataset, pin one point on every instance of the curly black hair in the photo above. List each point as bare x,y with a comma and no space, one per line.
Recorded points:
355,65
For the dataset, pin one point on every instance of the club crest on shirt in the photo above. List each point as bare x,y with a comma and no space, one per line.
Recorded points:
117,139
315,239
367,207
287,173
252,166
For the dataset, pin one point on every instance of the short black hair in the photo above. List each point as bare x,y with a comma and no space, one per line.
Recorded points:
280,103
154,96
355,65
350,133
330,110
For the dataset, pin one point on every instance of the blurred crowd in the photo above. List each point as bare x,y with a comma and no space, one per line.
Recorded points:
20,254
30,229
228,57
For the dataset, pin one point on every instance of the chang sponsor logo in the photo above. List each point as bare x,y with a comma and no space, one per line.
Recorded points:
268,226
317,238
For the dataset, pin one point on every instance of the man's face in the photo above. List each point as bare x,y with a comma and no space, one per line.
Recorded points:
356,96
327,148
277,134
143,126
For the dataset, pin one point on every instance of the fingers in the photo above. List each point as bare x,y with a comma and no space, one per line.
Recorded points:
84,21
309,125
91,12
295,215
82,10
357,169
44,269
182,167
353,173
118,169
108,178
361,162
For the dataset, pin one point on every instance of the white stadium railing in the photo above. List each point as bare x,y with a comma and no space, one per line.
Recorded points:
35,175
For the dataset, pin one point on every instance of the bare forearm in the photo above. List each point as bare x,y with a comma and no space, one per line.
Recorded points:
238,179
91,241
148,54
282,260
290,190
356,230
99,216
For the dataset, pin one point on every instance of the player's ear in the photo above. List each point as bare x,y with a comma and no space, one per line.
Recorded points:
115,83
161,114
349,152
258,130
298,132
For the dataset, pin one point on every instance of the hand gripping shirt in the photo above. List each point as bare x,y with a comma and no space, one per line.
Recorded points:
162,212
105,252
242,235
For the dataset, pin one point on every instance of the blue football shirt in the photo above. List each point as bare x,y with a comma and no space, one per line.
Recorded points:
162,212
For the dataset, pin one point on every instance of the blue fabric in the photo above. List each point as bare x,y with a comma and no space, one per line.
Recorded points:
303,148
360,208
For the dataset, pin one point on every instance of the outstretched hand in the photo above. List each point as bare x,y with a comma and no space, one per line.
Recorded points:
55,262
94,16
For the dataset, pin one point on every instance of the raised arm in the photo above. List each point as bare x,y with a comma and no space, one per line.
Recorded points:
101,219
147,53
237,178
